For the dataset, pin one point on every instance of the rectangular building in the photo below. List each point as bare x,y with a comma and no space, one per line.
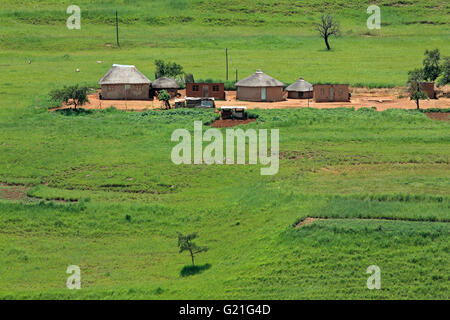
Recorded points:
331,93
206,90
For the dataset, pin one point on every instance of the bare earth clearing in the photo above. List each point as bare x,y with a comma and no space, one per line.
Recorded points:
382,99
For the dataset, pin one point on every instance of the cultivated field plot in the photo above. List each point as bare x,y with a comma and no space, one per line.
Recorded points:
356,187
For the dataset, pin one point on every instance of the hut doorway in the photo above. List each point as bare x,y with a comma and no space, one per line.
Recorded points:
263,94
331,94
205,91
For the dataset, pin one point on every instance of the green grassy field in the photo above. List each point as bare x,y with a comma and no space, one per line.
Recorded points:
99,190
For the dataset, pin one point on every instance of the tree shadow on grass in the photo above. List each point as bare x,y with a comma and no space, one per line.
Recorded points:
74,112
192,270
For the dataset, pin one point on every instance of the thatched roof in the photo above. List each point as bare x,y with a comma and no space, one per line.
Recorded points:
300,86
165,83
259,79
124,74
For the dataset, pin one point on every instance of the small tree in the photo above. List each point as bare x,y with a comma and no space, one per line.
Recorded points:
71,95
445,68
415,78
163,95
167,69
327,27
185,244
431,67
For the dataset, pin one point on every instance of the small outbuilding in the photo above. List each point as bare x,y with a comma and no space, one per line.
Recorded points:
428,88
331,93
205,90
300,89
124,82
168,84
192,102
260,87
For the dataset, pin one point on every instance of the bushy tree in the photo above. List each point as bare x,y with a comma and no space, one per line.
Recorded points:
163,95
185,244
445,69
71,95
167,69
431,67
415,78
327,27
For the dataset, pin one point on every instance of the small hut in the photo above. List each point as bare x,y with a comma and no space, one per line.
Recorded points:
206,90
331,93
168,84
124,82
260,87
300,89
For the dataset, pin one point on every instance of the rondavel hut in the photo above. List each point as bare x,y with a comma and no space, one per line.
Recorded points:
260,87
168,84
124,82
300,89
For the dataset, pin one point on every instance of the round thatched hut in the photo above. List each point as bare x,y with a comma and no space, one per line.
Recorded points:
260,87
300,89
124,82
168,84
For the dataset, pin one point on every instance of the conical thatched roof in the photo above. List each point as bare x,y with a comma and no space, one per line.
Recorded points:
259,79
165,83
124,74
300,86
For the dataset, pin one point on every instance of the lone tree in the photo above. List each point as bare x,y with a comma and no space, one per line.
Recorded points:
185,244
327,27
431,67
167,69
415,78
445,68
163,95
71,95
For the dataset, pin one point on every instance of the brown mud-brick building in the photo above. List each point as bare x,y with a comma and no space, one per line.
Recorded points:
331,93
260,87
124,82
164,83
206,90
300,89
428,88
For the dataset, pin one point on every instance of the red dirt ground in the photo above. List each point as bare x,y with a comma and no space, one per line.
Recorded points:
306,221
11,192
229,123
382,99
438,116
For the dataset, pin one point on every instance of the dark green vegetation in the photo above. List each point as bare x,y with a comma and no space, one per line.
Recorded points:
75,96
163,95
415,77
98,189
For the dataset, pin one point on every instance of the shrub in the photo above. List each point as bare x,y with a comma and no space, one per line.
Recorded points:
71,95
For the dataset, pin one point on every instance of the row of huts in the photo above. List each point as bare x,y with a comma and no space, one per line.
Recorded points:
125,82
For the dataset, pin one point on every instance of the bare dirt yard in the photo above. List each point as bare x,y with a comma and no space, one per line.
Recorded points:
226,123
382,99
